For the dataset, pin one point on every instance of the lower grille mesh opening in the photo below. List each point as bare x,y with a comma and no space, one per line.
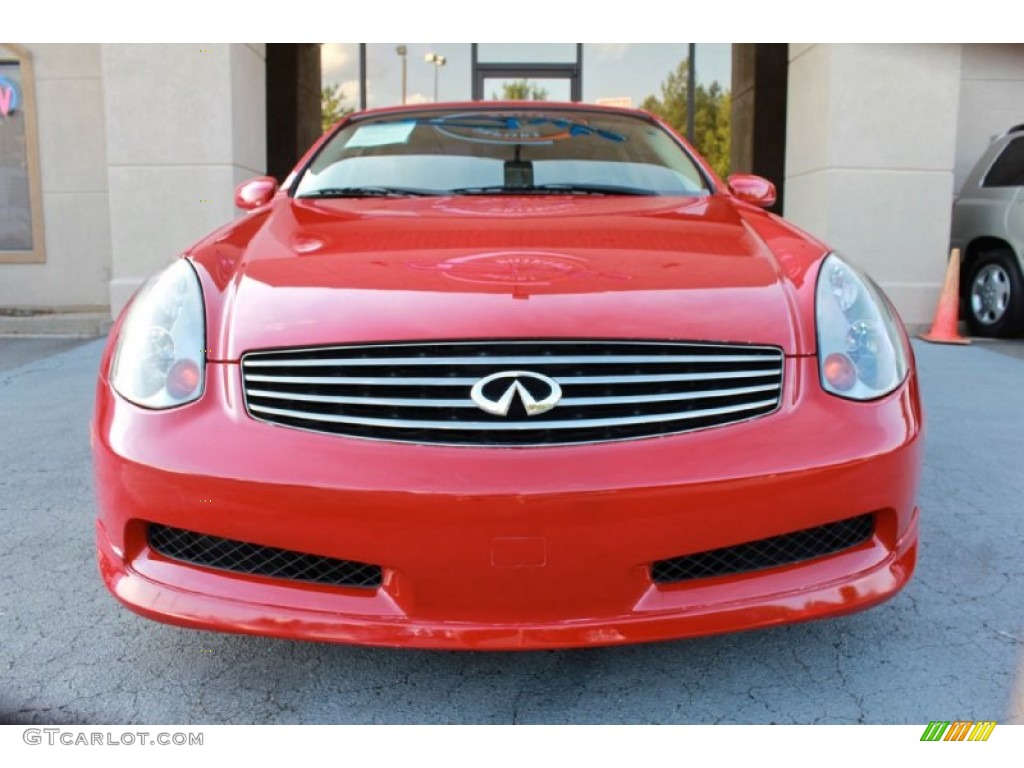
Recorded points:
241,557
773,552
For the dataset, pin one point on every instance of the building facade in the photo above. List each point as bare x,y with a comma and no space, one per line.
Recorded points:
116,157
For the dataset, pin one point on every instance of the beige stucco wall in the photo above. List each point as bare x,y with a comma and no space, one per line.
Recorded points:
186,123
870,152
140,149
73,174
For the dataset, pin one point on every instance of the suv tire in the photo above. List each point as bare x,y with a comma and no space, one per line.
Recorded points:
994,295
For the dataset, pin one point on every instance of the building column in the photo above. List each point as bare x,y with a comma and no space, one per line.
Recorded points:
759,80
870,151
293,104
184,124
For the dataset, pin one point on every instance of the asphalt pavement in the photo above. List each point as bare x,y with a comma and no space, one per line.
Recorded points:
950,646
16,351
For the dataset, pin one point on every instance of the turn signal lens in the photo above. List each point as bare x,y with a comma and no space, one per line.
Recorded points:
840,372
183,379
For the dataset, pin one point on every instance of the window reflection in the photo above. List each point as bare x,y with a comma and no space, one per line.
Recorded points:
527,89
652,76
384,64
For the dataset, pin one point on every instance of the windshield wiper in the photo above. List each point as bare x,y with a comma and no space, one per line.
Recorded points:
595,189
370,192
554,189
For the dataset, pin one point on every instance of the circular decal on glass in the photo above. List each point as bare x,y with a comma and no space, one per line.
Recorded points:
516,128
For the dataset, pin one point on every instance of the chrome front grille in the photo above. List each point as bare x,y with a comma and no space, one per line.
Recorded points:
421,393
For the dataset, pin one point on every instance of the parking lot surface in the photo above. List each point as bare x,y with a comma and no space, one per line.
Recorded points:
948,647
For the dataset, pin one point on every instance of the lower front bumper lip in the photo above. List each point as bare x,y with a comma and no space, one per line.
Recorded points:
651,620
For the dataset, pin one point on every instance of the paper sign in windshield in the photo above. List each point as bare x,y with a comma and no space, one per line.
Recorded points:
381,134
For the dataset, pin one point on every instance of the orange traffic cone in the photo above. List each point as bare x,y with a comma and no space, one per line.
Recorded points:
944,330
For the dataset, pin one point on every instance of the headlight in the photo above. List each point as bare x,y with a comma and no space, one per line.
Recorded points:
159,358
860,341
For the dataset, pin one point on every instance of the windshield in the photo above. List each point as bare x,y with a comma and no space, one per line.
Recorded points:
501,151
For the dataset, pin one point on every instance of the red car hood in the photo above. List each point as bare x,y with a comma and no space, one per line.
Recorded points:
305,272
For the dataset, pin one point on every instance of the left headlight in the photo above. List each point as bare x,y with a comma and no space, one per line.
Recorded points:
160,353
860,341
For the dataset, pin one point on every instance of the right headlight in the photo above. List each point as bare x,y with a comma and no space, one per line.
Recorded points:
860,341
160,355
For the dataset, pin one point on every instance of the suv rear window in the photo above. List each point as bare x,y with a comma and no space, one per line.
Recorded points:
1008,169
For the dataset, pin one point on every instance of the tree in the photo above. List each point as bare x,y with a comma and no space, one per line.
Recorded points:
522,90
712,115
332,105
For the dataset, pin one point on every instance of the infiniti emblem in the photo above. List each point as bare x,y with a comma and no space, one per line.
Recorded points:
498,399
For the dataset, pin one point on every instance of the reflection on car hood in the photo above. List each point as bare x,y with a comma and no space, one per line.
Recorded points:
335,271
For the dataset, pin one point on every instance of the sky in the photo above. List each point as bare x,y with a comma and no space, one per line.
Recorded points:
610,70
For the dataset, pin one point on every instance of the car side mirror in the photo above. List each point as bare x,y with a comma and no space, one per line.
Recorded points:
753,189
255,192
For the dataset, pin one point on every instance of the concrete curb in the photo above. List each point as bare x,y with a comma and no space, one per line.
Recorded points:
70,324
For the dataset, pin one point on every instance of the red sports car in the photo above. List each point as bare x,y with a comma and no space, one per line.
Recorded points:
502,376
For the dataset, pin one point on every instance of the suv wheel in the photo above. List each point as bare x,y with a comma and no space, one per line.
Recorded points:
995,295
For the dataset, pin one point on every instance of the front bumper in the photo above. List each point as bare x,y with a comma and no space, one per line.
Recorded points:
487,548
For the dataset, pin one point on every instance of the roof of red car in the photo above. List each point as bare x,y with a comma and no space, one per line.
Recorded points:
491,105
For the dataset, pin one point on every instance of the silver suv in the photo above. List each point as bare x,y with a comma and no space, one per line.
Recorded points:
988,228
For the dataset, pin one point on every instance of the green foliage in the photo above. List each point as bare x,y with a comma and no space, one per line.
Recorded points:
332,105
521,90
712,118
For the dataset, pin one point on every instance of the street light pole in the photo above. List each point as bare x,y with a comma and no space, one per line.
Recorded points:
402,51
691,93
438,62
362,76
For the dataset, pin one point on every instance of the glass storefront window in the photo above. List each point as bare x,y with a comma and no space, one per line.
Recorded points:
713,124
339,74
528,89
20,214
434,72
652,76
628,73
448,68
